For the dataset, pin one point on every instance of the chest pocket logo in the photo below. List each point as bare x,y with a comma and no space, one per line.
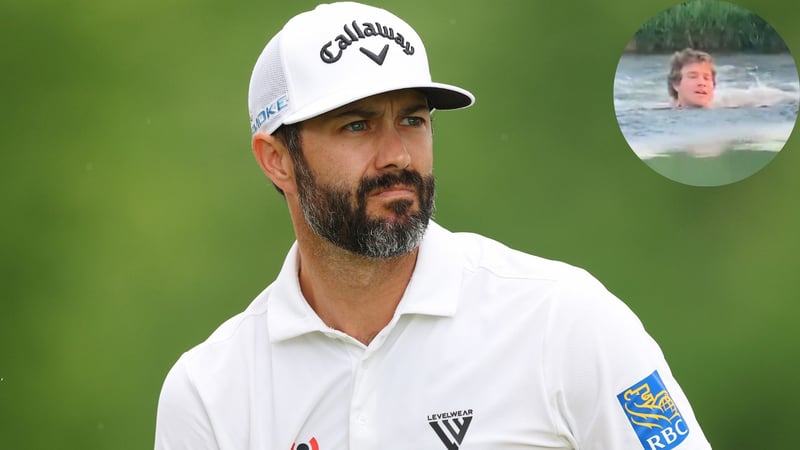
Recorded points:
451,427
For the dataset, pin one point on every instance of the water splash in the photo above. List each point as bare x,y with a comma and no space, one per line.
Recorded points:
754,96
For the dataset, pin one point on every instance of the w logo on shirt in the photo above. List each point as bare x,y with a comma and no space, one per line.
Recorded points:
451,427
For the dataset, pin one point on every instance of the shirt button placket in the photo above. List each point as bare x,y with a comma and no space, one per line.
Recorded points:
363,429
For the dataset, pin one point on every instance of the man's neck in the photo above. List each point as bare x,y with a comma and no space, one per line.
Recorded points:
351,293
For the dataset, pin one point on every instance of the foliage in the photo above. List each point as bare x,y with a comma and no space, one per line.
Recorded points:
709,25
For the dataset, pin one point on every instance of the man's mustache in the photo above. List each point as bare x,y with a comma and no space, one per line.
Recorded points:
410,178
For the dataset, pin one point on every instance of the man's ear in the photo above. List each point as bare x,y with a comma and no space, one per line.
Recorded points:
274,159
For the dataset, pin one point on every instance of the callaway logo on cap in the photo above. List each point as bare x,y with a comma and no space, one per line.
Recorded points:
335,55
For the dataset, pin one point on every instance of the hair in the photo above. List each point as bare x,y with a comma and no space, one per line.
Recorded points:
680,59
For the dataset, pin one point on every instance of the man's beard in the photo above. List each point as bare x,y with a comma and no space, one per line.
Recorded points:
331,214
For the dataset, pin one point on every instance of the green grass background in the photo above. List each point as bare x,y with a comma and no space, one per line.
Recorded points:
135,220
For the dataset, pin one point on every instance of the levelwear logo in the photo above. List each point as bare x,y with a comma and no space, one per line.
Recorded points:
451,427
354,33
654,416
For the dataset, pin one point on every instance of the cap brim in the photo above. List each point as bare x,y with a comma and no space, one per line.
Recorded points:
444,96
440,96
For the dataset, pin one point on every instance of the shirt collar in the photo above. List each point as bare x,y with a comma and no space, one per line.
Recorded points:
433,288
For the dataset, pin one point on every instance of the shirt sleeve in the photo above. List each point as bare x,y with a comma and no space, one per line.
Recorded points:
182,422
611,385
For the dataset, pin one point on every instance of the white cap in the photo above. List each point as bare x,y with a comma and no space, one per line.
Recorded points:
335,55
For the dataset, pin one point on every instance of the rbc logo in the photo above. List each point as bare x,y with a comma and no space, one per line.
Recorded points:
653,415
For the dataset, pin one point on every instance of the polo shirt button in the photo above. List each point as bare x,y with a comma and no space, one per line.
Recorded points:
361,419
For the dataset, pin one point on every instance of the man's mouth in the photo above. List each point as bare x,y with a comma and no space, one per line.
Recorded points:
397,190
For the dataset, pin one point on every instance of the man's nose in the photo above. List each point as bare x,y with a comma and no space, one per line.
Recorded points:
392,152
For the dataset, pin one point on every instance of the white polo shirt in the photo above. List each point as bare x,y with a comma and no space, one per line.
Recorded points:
489,349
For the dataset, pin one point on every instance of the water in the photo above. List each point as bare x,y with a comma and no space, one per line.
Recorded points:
753,114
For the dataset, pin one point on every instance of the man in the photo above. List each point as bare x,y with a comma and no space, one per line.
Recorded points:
383,330
692,79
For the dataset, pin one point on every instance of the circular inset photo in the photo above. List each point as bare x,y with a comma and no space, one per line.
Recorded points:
706,93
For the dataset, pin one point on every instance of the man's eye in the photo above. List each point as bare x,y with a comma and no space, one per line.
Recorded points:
356,126
413,121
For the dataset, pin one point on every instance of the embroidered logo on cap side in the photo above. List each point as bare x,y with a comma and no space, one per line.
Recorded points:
354,33
653,414
268,112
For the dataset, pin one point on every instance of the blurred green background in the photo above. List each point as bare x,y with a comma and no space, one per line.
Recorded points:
135,219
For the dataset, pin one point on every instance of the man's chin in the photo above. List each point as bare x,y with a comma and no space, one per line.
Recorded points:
701,102
392,220
694,104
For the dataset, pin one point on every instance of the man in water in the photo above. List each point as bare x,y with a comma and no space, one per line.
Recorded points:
692,79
